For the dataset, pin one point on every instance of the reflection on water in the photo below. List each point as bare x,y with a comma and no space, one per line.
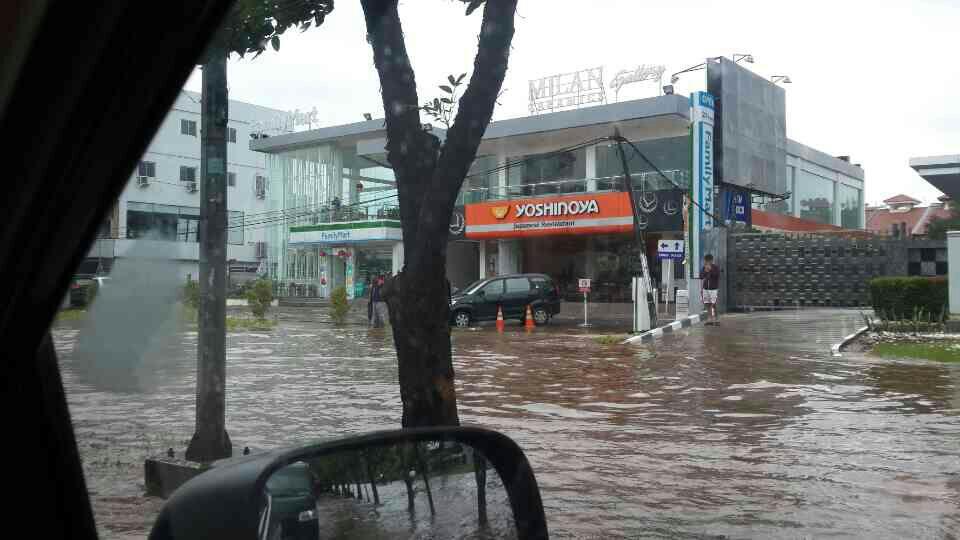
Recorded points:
749,429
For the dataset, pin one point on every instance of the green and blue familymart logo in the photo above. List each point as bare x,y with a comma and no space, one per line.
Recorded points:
704,99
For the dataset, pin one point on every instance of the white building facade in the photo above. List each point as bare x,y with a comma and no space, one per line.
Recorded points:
158,213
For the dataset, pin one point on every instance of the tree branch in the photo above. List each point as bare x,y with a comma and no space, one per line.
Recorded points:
476,106
473,115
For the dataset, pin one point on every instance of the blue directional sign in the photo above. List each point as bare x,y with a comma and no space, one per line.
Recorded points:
670,249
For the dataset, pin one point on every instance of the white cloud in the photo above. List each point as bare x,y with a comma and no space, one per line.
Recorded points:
874,80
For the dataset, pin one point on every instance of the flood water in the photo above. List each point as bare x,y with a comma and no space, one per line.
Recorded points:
749,429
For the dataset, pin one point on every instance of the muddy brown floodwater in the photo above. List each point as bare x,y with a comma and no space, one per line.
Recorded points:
749,429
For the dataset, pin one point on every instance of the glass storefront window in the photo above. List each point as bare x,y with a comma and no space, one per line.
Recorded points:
174,223
481,181
851,207
671,155
815,196
784,206
544,174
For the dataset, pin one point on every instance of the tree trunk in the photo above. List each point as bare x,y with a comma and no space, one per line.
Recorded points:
210,440
428,180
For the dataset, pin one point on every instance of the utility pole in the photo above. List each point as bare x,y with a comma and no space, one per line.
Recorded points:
639,237
210,440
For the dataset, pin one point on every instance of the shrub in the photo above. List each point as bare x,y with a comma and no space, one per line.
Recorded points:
191,294
896,298
259,297
339,305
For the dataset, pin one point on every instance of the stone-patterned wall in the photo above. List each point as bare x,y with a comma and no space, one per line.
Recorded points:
774,270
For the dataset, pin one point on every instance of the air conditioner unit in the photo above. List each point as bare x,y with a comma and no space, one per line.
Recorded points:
191,187
261,250
143,181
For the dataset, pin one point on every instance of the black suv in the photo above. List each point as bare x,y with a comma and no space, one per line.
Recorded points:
513,293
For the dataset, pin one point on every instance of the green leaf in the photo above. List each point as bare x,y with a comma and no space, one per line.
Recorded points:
305,27
446,88
460,78
436,103
452,80
275,43
446,100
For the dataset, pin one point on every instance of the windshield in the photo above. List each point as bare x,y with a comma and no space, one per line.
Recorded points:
473,287
733,220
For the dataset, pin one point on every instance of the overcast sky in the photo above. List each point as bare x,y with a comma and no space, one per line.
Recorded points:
876,80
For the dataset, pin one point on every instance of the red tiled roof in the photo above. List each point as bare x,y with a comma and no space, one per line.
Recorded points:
879,220
901,199
780,222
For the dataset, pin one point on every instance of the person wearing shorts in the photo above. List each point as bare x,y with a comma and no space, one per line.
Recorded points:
711,286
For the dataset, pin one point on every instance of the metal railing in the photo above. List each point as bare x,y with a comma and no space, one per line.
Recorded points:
341,214
650,181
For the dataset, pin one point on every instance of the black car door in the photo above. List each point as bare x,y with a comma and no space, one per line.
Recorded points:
487,299
516,296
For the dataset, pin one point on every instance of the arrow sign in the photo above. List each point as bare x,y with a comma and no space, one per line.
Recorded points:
670,249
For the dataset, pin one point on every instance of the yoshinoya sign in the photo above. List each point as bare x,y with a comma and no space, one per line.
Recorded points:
350,232
702,209
558,208
572,214
567,90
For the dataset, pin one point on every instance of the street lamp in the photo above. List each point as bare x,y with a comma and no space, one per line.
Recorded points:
777,79
737,57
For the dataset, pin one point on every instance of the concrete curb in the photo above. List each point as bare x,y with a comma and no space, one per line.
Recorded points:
835,348
650,335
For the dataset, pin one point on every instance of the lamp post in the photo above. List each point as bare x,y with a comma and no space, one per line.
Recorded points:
777,79
737,58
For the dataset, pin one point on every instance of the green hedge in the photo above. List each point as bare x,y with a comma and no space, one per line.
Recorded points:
906,297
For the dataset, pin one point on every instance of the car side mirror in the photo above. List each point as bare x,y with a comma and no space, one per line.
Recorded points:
481,293
444,482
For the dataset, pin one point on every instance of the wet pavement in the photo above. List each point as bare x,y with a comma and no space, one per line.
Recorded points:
747,429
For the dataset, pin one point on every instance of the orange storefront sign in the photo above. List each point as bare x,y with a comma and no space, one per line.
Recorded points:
595,213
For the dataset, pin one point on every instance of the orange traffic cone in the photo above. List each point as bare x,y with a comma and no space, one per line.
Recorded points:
499,319
528,323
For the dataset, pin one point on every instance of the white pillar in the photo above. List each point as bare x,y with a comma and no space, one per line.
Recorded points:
590,266
953,277
349,269
508,259
500,191
837,216
666,281
483,259
591,164
397,259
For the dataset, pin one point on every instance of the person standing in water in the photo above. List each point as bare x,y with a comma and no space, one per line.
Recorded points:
711,285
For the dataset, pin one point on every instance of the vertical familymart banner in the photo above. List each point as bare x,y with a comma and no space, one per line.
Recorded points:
701,189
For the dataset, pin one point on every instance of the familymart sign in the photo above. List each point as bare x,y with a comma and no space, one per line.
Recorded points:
349,232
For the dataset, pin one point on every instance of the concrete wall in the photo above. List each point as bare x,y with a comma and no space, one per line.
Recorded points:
773,270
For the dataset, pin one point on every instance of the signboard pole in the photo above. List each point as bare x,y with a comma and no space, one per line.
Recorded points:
584,288
701,208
